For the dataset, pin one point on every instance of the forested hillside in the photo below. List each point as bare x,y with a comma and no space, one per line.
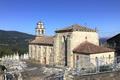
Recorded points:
13,42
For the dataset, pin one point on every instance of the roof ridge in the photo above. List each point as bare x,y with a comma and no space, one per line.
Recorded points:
76,27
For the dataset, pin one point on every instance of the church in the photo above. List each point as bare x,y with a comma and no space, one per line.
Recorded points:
73,46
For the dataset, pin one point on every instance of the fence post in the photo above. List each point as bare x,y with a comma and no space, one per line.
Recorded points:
97,65
115,63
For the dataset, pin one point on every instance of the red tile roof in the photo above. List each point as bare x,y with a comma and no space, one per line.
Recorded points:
89,48
75,27
44,40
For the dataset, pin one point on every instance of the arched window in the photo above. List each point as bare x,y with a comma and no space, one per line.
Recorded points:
42,31
109,56
96,58
97,61
38,32
86,38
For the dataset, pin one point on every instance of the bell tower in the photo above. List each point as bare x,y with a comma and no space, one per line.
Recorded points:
40,30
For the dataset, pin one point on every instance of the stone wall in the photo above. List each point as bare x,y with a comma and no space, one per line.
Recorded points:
82,62
73,40
103,58
41,53
59,48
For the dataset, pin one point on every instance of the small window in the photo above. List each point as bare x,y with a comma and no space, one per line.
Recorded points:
96,58
86,38
109,56
39,46
77,57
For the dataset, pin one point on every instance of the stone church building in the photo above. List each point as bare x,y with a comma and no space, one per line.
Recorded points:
72,46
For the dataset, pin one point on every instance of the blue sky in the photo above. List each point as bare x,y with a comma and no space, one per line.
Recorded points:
22,15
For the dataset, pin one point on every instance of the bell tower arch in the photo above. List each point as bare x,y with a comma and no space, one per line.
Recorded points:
40,29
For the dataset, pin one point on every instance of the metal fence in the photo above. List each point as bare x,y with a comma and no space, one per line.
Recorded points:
100,65
59,76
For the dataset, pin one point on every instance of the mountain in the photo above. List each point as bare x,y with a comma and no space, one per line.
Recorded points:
14,41
103,40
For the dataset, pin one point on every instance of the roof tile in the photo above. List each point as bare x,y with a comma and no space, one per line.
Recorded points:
75,27
89,48
45,40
